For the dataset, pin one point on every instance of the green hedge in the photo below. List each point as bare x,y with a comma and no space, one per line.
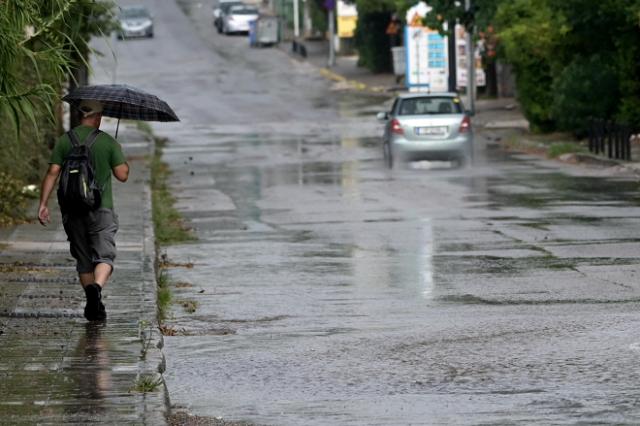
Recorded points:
586,88
372,42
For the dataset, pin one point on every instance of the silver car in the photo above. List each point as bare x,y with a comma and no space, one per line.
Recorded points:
237,19
135,21
427,126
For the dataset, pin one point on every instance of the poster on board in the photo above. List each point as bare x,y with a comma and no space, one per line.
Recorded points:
426,57
461,60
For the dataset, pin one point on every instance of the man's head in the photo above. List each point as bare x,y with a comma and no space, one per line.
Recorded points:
90,112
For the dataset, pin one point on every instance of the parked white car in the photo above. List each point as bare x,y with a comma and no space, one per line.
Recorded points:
237,19
218,11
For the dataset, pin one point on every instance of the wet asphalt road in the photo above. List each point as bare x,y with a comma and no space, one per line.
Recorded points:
332,291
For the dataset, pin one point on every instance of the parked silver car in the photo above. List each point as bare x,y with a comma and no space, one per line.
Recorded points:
237,19
427,126
134,21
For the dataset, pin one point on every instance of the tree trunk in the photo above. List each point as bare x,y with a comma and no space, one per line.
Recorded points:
79,77
492,80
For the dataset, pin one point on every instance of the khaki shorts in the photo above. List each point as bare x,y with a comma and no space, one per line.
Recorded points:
92,239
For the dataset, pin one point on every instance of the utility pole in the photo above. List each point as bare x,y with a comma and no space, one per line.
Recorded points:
471,59
306,18
296,19
332,47
453,73
330,5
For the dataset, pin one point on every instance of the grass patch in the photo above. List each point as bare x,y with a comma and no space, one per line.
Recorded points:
559,148
168,222
148,384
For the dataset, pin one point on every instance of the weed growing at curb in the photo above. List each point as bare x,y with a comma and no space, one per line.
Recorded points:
168,222
148,383
557,149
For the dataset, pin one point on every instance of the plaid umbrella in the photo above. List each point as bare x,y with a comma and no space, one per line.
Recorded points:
122,101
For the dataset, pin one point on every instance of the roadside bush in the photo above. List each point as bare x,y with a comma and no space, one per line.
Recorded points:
534,81
12,200
372,42
586,88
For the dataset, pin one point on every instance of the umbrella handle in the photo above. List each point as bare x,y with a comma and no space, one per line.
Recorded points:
119,115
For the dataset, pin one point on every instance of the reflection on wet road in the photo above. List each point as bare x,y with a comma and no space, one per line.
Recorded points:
330,290
340,293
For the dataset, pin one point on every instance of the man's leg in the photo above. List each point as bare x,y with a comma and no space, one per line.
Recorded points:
80,246
102,273
86,279
101,233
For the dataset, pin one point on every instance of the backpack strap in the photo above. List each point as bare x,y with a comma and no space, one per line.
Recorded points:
92,137
73,137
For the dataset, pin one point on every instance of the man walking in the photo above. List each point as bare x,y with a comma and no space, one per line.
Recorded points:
91,234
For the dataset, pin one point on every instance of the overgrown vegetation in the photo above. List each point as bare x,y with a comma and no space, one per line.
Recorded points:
559,148
42,44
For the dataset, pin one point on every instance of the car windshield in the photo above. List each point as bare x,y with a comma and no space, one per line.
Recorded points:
135,13
244,11
430,105
226,6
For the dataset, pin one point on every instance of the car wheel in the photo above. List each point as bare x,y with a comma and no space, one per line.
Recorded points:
388,155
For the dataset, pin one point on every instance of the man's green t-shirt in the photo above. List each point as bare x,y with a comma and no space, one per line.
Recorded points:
107,154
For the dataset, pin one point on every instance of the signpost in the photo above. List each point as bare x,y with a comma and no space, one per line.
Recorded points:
330,5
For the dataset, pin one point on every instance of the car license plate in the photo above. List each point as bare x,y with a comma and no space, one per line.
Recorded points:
436,131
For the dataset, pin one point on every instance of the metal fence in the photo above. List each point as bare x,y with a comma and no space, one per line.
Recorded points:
610,138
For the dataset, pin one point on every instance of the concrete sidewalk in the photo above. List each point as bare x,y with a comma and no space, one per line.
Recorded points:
55,367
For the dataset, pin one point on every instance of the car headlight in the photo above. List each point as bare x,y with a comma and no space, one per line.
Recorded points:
147,23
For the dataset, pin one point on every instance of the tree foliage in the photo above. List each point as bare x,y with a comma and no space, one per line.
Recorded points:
43,36
38,41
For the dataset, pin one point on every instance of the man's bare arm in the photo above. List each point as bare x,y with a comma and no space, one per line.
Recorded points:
47,188
121,172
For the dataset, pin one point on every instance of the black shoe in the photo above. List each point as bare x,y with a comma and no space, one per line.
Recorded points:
94,309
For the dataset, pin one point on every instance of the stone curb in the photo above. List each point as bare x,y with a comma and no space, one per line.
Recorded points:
581,157
159,405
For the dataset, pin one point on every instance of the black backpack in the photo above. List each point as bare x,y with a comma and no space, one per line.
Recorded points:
79,192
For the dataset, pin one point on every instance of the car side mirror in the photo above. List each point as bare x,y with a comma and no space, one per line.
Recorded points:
470,113
382,116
